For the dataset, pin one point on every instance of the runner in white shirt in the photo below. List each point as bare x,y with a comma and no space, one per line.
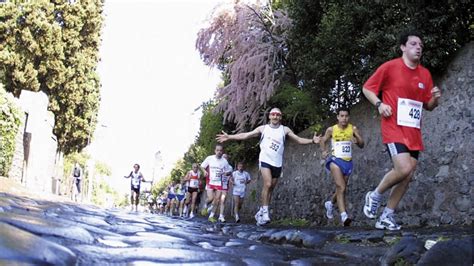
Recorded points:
272,143
135,182
193,177
214,166
224,189
239,181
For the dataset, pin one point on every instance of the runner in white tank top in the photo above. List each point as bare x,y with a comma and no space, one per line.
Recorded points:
271,149
214,166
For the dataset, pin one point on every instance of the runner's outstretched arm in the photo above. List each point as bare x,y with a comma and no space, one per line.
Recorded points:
240,136
316,139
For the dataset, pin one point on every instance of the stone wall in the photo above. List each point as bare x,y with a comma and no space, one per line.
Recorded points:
35,155
441,191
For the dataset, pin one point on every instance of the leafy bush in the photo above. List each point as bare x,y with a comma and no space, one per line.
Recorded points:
10,120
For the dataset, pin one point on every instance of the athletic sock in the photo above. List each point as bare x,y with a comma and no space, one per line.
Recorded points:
386,211
376,195
265,208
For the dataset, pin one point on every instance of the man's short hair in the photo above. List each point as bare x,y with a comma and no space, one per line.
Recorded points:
407,33
343,109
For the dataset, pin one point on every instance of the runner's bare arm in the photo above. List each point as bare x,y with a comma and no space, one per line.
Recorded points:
434,101
322,143
240,136
384,109
358,137
301,140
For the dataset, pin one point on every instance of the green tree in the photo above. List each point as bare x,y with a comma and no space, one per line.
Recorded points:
9,125
53,46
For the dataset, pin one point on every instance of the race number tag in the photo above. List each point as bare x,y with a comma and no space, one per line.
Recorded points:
274,146
409,113
135,182
343,149
216,177
194,183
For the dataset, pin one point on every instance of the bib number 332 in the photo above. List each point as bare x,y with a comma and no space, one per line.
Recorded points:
409,113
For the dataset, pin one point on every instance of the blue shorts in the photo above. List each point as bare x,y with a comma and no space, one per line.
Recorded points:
180,197
345,166
171,196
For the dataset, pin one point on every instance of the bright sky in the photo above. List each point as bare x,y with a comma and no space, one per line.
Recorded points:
152,81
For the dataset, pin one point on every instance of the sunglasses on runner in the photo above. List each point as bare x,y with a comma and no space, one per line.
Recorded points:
275,113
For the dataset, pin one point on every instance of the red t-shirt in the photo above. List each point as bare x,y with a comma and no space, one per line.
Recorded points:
395,80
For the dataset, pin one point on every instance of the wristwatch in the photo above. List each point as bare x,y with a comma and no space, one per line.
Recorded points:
377,104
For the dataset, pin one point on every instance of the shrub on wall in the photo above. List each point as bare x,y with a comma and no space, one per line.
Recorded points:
9,124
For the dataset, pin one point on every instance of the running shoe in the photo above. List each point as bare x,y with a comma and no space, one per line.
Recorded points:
387,222
258,216
212,219
221,219
204,212
346,221
265,217
328,206
191,215
237,219
371,206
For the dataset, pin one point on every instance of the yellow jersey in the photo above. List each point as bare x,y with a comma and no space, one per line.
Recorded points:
341,142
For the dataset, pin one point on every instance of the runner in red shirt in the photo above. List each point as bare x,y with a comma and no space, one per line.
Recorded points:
407,89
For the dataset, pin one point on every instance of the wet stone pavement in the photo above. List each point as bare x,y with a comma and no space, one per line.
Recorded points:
45,232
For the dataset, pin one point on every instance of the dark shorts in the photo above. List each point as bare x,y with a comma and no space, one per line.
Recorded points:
78,185
193,189
135,189
397,148
276,171
171,196
345,166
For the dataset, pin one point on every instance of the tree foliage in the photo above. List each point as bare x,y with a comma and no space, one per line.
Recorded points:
335,45
53,46
9,124
247,42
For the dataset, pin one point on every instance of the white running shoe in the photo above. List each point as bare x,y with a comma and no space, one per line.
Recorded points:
191,215
258,216
371,206
265,217
328,206
237,219
346,221
221,219
387,222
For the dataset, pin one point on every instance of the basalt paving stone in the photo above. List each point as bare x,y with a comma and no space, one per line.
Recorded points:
93,221
201,263
356,250
126,228
165,255
40,226
21,246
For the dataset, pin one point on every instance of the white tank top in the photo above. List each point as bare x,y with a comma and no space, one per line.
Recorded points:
272,144
136,178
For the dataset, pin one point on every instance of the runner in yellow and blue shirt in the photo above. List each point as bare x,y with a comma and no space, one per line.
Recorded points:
342,136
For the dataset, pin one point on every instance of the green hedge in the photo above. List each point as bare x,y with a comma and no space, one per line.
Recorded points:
9,123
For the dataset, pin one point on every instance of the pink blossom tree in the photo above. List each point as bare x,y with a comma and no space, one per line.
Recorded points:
247,42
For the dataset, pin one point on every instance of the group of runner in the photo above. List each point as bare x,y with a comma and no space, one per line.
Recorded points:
406,88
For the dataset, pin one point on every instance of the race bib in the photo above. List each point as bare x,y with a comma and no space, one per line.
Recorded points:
343,149
135,182
274,146
194,183
216,179
409,113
